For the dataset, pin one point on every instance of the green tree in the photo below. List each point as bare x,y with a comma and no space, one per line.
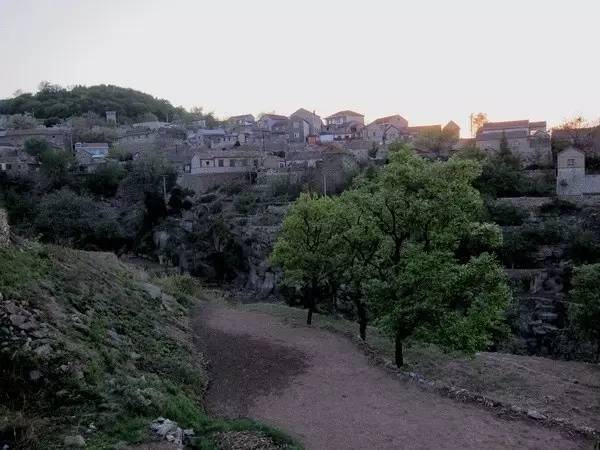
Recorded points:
584,312
36,146
305,250
105,180
55,166
391,244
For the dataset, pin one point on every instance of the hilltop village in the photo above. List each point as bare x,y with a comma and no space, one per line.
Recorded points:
154,260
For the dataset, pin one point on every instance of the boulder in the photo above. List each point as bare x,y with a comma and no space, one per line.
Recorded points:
76,441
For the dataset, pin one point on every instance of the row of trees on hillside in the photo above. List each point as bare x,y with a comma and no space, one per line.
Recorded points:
407,248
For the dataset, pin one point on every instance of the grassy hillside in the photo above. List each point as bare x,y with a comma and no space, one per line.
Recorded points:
90,348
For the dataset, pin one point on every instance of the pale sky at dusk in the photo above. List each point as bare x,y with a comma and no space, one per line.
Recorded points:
430,61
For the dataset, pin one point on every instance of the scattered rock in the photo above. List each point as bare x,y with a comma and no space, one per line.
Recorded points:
168,430
152,290
535,414
74,441
35,375
43,350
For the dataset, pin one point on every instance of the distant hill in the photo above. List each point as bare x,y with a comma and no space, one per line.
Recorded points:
53,101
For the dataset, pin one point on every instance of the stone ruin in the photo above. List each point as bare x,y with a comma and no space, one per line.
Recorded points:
4,229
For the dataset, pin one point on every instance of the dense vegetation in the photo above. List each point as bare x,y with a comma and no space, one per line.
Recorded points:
53,103
405,247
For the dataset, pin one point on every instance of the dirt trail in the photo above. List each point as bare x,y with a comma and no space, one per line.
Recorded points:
320,388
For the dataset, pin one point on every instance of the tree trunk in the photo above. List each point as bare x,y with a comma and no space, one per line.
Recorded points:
598,351
399,355
362,320
309,316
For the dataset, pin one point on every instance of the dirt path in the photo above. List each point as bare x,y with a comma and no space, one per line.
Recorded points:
320,388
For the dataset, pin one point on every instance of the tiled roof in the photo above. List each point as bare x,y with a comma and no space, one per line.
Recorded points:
510,134
490,126
344,113
424,128
388,119
274,117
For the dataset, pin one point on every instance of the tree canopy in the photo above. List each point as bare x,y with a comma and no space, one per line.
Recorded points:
56,102
391,246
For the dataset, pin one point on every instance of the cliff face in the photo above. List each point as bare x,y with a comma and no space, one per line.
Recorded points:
225,239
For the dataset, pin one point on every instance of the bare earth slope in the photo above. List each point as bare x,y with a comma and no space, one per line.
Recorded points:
319,387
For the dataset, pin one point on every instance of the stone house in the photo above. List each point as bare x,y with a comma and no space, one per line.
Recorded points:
216,161
529,141
241,120
303,124
59,138
273,122
90,155
14,161
385,129
343,125
571,178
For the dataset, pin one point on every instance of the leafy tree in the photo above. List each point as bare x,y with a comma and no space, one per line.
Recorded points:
392,243
584,313
66,218
36,146
150,173
55,166
119,154
305,250
105,180
22,122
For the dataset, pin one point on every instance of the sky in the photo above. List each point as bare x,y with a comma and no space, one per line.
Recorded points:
430,61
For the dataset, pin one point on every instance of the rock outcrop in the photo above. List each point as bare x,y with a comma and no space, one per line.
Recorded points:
4,229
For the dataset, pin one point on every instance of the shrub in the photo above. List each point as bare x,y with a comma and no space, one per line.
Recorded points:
246,203
558,207
584,248
505,214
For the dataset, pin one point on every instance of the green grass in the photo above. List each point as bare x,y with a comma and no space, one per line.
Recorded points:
128,359
20,266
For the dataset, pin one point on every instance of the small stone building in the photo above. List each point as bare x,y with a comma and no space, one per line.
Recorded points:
571,179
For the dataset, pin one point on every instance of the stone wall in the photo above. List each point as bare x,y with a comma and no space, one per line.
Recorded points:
4,230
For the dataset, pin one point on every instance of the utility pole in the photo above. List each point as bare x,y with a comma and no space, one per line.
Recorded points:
165,188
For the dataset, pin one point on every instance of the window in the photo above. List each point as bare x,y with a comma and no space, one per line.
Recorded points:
570,162
207,163
232,163
256,163
296,135
245,162
220,163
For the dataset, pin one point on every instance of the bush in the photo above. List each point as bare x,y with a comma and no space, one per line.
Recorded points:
558,207
105,180
505,214
246,203
584,248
